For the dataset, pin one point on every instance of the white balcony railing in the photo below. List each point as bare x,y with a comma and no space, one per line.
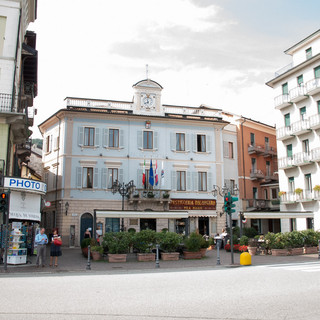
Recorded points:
107,104
301,158
313,86
297,94
300,127
314,121
315,154
284,133
282,101
285,162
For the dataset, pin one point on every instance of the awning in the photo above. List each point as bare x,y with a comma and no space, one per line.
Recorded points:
202,213
278,214
142,214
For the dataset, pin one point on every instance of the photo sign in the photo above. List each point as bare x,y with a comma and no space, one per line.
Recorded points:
192,204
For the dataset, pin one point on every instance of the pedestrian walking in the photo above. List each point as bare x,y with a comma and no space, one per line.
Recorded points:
55,249
41,241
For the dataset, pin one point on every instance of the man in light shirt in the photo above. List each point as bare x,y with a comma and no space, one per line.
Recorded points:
41,241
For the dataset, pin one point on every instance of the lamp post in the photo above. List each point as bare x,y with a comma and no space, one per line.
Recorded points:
124,190
223,192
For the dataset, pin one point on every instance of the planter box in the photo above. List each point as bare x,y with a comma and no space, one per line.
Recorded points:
170,256
144,257
252,251
296,251
85,252
96,256
203,252
310,250
117,257
191,255
279,252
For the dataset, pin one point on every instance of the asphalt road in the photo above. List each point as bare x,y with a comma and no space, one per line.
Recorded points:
289,291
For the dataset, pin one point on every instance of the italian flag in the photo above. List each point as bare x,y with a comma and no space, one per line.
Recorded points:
144,173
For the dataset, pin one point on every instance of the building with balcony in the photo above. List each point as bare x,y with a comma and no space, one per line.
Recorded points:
258,173
18,83
91,144
298,123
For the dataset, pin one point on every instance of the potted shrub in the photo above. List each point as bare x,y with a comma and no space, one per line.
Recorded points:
268,241
244,240
281,193
279,247
145,241
252,246
84,246
117,244
150,194
97,252
193,245
169,243
311,239
295,242
166,195
298,192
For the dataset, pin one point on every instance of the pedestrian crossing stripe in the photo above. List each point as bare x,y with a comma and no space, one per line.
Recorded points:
304,266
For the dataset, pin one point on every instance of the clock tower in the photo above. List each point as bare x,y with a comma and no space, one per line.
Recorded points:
147,97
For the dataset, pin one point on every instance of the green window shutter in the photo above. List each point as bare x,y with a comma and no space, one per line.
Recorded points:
287,120
97,137
319,106
252,139
80,136
300,80
289,150
285,88
317,72
79,177
309,53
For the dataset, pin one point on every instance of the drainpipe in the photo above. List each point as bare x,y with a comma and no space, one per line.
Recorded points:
15,63
243,173
57,171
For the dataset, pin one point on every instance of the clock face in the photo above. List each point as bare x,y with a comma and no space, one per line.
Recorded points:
147,101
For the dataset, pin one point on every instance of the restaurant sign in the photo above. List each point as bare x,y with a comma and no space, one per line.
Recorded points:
192,204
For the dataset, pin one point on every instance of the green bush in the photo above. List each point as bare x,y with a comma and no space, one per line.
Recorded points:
132,230
311,237
170,241
193,242
97,249
295,239
244,241
236,231
235,239
117,242
249,232
145,240
280,241
85,243
204,243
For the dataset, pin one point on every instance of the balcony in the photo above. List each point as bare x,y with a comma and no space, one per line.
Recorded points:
271,176
286,163
284,133
262,204
300,127
298,94
313,86
141,195
282,101
253,148
256,174
315,155
302,158
288,198
314,121
6,103
305,196
269,151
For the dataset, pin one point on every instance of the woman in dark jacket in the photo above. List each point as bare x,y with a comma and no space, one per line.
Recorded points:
55,250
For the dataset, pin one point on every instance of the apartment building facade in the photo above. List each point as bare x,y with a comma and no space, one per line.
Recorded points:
92,143
297,101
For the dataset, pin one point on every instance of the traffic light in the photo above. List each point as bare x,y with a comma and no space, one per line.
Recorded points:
4,201
228,203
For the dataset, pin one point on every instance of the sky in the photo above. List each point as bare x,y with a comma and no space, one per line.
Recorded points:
214,52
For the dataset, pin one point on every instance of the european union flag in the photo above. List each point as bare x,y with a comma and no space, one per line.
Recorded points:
151,177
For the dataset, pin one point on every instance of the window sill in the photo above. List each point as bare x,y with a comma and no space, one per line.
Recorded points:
150,150
178,151
113,148
200,152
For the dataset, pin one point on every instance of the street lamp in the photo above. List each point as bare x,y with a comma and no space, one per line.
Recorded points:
223,192
124,190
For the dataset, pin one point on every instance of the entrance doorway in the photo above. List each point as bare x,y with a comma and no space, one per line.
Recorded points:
148,224
86,222
204,226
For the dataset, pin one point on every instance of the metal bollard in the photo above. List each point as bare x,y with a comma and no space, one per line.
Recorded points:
219,240
157,257
89,262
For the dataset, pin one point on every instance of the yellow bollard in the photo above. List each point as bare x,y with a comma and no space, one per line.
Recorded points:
245,259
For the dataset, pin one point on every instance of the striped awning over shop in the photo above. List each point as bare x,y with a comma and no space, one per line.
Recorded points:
278,214
202,213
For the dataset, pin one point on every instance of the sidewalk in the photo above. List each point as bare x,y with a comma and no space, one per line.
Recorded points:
72,260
